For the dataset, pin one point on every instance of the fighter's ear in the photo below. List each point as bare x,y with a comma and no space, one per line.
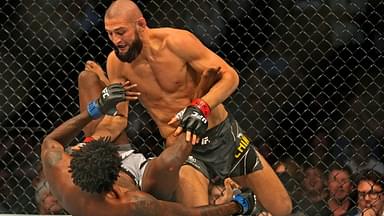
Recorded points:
141,23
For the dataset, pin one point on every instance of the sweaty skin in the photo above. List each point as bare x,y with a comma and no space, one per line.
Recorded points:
167,67
167,70
165,80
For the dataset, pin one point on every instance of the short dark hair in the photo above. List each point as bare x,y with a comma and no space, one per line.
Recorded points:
372,176
95,167
337,166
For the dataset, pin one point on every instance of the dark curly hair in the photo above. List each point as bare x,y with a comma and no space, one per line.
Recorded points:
95,166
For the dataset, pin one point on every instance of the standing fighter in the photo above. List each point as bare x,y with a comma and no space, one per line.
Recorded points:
96,179
167,64
91,81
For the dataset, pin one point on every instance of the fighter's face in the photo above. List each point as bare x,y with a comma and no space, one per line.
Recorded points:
132,52
125,38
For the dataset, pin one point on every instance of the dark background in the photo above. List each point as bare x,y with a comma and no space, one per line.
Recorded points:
308,69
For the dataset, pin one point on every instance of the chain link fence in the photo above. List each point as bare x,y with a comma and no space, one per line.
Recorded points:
311,71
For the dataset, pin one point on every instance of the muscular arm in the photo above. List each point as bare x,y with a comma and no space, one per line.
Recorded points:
139,203
200,58
218,210
52,152
150,206
67,131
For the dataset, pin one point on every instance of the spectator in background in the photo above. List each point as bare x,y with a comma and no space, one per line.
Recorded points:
311,199
290,173
370,192
340,188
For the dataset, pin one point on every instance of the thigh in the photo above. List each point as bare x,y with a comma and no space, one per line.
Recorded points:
192,189
159,181
268,188
90,88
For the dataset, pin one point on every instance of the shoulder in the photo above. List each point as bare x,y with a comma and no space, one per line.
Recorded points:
183,43
178,37
113,60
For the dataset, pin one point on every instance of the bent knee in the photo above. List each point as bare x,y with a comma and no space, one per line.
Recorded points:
88,77
284,208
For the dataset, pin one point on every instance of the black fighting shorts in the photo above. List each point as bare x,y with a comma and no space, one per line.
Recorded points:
225,151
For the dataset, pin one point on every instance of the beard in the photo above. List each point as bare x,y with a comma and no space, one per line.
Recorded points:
133,51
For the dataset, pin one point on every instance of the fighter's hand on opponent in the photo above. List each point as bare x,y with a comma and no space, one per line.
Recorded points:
193,120
110,96
229,187
195,126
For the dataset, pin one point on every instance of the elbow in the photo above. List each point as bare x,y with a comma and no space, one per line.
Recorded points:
45,144
285,207
234,79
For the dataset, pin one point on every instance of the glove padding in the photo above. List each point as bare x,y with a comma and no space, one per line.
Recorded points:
246,200
193,120
106,103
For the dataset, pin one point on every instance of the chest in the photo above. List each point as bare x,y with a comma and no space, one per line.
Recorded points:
165,72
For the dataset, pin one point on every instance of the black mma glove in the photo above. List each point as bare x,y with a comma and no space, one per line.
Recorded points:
106,103
246,200
194,118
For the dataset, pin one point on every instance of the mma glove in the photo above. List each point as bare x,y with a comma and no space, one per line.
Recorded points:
246,200
194,118
106,103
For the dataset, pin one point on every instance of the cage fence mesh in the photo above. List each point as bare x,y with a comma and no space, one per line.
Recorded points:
311,80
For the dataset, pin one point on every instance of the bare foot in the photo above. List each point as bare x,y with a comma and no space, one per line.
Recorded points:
96,68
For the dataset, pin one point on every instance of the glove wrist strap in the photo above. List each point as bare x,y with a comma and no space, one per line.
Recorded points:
202,105
94,110
242,202
88,139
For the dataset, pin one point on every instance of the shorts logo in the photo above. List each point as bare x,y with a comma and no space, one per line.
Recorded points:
243,145
205,141
125,154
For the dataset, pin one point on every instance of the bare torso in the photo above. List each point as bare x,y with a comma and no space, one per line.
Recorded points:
166,82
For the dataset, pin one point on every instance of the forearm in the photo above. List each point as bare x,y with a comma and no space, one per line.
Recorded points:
222,89
176,209
110,126
177,152
219,210
68,130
